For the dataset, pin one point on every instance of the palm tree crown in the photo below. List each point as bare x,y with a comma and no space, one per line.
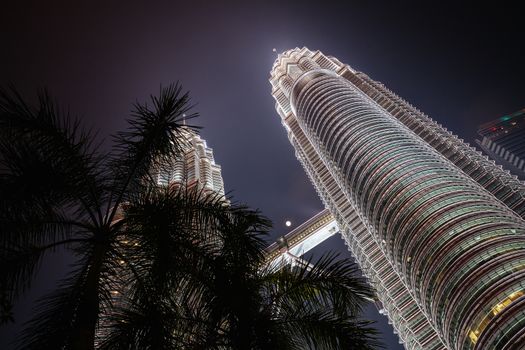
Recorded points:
156,267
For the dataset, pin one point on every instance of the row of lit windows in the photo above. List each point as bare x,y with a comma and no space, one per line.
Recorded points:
359,138
511,330
446,290
494,307
376,251
446,222
436,135
395,284
450,262
425,254
469,304
505,191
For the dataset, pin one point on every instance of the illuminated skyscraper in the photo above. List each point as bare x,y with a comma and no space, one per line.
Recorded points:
196,167
435,226
503,140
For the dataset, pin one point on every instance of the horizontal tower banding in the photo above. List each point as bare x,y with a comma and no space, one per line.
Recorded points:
455,245
504,186
409,322
370,148
413,327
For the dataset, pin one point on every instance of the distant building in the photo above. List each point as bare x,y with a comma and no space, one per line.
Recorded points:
196,167
503,140
436,227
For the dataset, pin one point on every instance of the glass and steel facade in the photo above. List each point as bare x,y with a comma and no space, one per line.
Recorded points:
436,227
196,166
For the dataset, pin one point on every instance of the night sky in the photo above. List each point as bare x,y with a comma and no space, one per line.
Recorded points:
461,65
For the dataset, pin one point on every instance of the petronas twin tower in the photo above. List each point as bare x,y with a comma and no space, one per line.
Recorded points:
437,228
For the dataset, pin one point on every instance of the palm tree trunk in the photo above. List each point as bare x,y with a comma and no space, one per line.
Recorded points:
83,334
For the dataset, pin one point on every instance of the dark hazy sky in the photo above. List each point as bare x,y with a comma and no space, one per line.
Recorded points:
461,65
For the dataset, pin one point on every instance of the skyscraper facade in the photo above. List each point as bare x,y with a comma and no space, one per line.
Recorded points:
503,140
195,168
436,227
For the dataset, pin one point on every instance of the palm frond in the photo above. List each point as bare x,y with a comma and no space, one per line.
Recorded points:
165,250
24,243
158,267
35,224
146,319
51,328
330,282
243,234
165,227
322,329
144,328
45,156
19,265
153,140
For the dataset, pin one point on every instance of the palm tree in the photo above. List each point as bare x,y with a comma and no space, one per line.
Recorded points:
224,294
59,191
156,267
